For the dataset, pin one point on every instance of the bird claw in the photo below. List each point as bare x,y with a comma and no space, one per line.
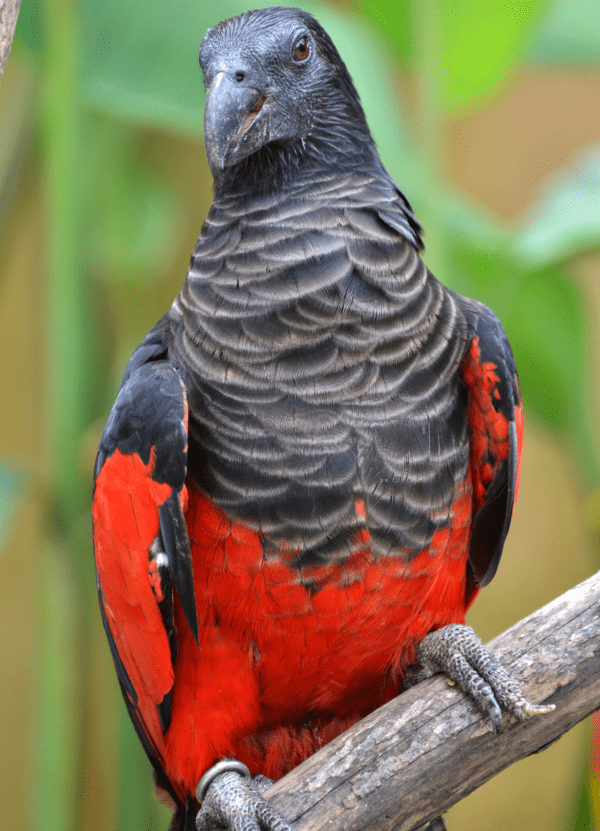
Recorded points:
457,651
235,802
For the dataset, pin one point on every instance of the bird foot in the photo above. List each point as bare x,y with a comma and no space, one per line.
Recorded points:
457,651
233,800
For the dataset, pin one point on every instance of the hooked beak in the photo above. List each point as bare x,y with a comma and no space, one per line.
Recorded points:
230,112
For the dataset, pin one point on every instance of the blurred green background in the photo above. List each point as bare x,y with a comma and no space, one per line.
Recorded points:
488,116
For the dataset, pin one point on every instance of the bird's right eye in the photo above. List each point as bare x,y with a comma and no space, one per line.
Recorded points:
302,49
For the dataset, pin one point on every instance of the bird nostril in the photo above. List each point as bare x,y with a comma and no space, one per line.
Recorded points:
239,76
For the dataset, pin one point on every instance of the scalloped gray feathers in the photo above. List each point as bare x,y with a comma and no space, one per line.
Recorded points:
323,367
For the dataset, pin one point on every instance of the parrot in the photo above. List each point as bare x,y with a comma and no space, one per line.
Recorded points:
310,468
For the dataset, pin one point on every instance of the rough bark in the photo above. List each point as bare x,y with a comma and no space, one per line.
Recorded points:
9,11
414,758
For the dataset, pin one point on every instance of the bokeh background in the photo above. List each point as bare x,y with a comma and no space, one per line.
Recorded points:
488,116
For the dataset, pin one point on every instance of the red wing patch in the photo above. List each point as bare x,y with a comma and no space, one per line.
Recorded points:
490,441
125,513
495,460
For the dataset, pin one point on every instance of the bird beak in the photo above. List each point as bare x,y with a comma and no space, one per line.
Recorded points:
230,111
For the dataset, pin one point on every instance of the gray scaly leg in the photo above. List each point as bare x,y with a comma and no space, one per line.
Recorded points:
457,651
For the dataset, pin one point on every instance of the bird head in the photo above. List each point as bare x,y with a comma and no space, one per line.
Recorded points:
274,79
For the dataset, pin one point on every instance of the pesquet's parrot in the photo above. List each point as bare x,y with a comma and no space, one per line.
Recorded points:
310,468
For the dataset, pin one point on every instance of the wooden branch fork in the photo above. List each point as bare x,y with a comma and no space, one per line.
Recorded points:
418,755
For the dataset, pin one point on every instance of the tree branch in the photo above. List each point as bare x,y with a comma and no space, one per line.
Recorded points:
414,758
9,11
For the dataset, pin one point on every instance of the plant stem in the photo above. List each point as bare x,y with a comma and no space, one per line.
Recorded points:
65,572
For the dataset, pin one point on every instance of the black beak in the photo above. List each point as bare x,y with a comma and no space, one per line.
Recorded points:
230,110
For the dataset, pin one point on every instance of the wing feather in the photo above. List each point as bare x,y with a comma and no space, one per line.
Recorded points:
495,421
140,538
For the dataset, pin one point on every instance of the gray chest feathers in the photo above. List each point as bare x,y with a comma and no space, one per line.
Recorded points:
323,368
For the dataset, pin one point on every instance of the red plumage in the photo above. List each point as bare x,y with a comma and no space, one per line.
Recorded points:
340,653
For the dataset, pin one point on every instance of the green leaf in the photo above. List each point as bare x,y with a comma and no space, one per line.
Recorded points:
11,486
394,21
486,273
133,210
569,30
28,34
481,42
565,219
141,61
546,328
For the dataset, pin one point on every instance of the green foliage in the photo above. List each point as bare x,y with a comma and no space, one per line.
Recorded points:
133,211
480,42
568,32
546,325
59,716
142,65
29,31
565,220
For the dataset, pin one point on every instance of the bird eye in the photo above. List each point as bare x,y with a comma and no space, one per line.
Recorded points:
302,49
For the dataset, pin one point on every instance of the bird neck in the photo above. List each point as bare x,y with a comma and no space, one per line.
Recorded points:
336,146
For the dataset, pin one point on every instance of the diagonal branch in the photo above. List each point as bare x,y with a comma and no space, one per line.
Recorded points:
9,11
414,758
